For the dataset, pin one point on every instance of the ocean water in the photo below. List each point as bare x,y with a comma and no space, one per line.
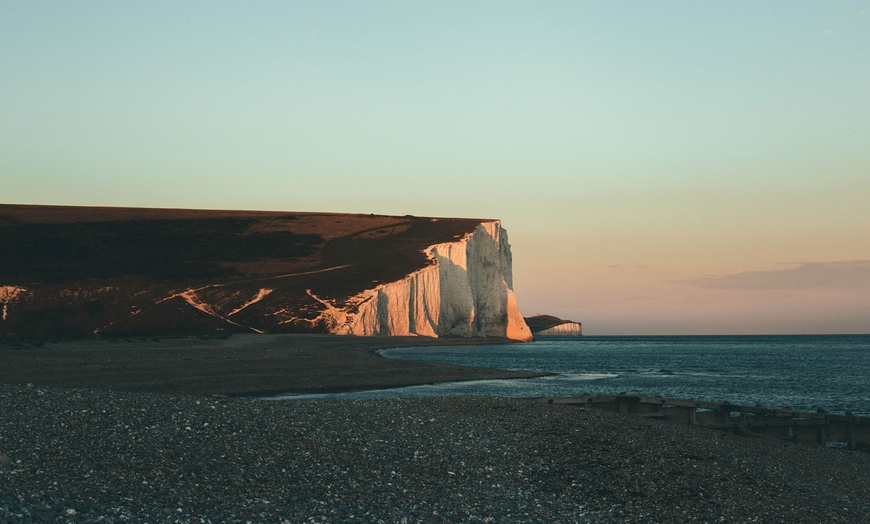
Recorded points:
804,372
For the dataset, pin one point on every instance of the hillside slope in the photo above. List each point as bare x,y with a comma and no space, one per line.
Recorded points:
73,272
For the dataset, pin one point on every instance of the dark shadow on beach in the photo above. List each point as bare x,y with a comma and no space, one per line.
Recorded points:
236,366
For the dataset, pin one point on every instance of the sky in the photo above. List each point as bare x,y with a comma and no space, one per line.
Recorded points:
669,167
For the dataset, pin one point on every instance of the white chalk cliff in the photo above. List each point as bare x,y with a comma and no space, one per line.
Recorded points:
568,329
118,272
466,291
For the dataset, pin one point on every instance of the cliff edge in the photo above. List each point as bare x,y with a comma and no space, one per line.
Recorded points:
466,290
550,326
76,272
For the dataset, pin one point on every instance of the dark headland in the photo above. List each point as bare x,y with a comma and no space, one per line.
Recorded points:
77,272
142,428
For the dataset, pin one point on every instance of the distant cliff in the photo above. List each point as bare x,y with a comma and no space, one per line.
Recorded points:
71,272
550,326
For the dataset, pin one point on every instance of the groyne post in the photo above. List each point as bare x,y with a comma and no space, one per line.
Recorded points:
796,426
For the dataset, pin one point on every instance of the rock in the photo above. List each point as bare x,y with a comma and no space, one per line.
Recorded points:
466,292
351,274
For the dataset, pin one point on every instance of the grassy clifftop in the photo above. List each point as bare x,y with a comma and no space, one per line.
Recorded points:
72,272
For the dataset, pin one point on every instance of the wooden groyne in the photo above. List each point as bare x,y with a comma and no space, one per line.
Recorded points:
847,431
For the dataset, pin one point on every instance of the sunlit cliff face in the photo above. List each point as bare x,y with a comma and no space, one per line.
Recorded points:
151,272
466,292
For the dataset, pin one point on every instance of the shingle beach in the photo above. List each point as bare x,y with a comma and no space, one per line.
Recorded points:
93,455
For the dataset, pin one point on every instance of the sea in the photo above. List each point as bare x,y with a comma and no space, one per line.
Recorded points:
803,372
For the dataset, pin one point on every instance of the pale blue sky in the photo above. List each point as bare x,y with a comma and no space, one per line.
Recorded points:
691,138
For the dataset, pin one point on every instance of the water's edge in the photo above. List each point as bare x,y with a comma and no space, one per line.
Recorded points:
806,372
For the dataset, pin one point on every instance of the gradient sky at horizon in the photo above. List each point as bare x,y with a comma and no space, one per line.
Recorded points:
662,167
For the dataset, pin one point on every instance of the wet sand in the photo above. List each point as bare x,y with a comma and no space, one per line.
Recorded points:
239,365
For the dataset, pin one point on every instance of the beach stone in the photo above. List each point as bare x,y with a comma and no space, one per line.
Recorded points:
5,460
512,460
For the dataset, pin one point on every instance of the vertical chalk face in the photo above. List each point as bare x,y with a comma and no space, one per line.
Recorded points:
201,272
466,292
568,329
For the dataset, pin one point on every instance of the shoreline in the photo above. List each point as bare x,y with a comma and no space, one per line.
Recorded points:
241,365
97,442
90,455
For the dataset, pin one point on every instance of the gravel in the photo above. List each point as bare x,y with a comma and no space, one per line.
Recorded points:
82,456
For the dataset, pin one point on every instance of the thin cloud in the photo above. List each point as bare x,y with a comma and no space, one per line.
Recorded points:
848,274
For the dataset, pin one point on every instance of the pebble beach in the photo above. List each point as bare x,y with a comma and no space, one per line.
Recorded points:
81,445
88,456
